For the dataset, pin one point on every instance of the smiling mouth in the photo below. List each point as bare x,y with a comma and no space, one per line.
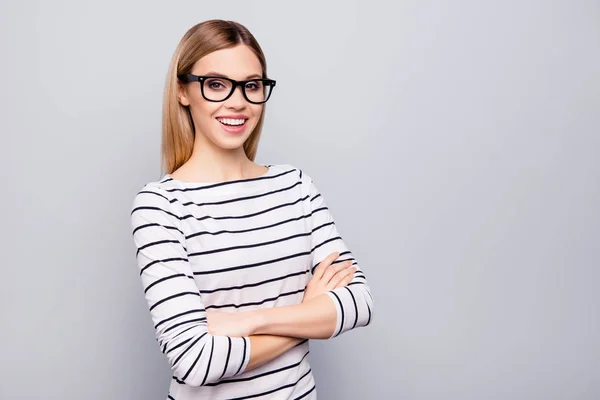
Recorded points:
232,121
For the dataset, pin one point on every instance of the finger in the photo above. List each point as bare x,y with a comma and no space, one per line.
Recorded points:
349,278
342,278
334,269
324,264
345,282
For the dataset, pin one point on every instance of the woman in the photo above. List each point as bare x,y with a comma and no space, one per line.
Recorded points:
241,263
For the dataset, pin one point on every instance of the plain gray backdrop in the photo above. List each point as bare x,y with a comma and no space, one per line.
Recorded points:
457,144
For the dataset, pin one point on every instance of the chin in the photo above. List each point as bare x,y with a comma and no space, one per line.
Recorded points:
232,142
229,140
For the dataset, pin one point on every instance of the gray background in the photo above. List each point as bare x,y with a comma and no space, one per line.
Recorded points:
456,142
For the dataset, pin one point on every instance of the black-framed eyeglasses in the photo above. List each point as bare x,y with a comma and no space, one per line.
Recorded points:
218,88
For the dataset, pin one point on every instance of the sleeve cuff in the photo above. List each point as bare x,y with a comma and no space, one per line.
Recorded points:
246,354
339,313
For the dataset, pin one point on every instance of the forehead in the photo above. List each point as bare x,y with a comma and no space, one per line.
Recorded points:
236,62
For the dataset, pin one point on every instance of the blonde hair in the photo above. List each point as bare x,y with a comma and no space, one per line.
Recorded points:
177,124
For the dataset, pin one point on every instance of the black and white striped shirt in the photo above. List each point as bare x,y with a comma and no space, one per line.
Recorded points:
236,246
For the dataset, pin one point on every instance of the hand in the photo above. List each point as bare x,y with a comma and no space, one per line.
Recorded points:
234,324
328,277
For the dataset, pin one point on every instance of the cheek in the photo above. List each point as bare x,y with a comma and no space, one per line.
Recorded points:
204,112
257,111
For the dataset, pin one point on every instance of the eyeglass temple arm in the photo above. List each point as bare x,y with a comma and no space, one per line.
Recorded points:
189,78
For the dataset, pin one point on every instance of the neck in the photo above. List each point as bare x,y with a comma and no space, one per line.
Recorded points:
211,163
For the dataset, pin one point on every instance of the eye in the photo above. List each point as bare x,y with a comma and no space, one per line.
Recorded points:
254,85
215,84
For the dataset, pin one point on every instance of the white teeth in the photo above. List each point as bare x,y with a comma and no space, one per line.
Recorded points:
229,121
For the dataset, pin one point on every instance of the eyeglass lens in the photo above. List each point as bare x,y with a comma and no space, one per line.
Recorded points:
216,89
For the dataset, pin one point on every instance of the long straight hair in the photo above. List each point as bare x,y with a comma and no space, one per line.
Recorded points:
177,124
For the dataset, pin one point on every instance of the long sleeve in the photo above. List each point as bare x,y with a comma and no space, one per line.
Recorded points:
353,302
196,357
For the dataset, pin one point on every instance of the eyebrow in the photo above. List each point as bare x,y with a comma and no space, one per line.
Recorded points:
225,76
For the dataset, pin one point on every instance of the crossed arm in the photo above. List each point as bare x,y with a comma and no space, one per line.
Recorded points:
273,331
205,347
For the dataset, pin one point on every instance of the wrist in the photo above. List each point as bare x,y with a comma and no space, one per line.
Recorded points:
258,322
269,321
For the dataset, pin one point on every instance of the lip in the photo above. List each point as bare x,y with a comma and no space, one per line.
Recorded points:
234,129
234,116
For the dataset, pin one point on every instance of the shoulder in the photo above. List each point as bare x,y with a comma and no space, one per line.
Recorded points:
294,170
301,178
153,196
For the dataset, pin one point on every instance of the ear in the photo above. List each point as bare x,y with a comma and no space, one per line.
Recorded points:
182,95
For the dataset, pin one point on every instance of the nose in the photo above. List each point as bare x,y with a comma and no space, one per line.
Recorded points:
236,100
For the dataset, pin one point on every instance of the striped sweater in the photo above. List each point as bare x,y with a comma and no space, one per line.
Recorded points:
236,246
